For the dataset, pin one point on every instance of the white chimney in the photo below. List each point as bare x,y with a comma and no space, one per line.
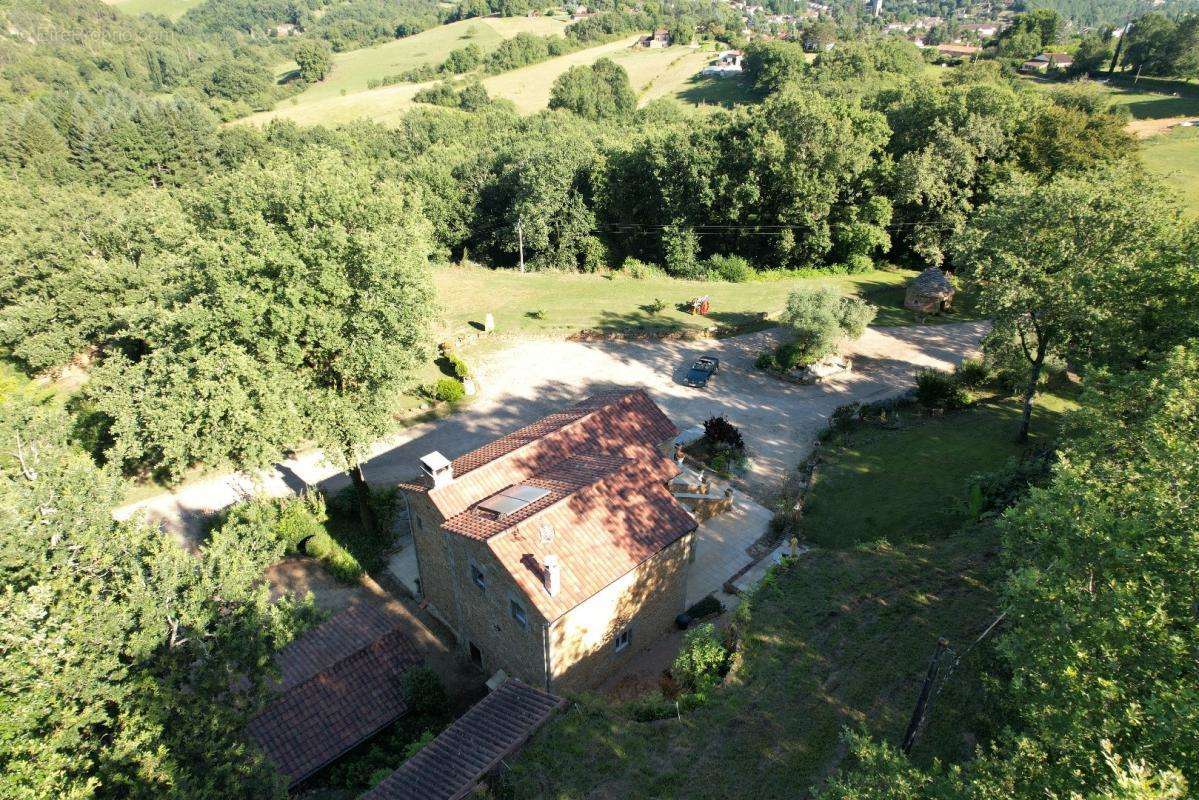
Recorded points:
552,575
437,469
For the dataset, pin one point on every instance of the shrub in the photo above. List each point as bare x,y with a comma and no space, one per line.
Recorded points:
424,692
993,492
655,307
650,708
449,390
766,360
792,355
679,249
461,371
640,270
415,747
936,389
537,313
726,461
858,263
300,518
719,431
593,256
972,373
843,416
706,607
784,522
820,318
701,660
733,269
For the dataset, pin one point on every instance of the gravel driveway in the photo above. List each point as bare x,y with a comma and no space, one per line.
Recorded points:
529,379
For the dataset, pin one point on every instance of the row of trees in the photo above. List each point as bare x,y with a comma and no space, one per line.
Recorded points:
1158,45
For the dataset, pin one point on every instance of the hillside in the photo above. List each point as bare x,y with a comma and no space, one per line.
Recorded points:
171,9
344,96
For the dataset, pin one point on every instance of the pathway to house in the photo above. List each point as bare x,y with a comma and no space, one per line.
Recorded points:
532,378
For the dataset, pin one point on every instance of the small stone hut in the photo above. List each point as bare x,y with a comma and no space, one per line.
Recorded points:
929,292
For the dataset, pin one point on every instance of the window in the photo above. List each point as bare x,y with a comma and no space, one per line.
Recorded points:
518,613
623,638
477,576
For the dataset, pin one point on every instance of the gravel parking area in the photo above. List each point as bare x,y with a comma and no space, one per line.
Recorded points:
529,379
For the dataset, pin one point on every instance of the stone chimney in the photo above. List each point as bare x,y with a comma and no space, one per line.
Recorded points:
551,575
437,469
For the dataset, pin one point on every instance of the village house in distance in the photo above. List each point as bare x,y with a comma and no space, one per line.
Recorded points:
557,551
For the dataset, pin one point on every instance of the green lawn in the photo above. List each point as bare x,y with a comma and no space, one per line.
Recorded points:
172,9
839,639
557,304
1156,98
1148,98
1175,156
867,489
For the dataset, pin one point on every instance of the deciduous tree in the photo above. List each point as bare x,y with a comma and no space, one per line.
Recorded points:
128,665
1062,269
302,316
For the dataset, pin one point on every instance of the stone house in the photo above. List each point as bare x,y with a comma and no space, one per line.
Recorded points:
557,551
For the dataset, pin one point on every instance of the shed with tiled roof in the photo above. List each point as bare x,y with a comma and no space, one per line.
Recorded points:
339,685
453,764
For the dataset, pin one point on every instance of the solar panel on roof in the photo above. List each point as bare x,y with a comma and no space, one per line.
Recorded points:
512,500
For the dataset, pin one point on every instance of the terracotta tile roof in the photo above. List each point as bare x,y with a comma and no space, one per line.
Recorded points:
599,534
609,422
340,685
450,766
562,479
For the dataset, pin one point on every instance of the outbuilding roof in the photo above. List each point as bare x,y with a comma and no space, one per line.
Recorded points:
339,686
450,766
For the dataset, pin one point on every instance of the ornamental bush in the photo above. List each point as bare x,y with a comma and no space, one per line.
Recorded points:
937,390
701,660
449,390
820,318
719,431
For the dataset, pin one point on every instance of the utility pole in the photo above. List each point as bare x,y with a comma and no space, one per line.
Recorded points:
520,241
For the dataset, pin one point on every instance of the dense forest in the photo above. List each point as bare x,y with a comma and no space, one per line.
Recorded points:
232,292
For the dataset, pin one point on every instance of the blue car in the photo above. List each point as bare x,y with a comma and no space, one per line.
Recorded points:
701,371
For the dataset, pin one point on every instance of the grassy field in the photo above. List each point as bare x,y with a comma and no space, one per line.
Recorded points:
344,96
172,9
352,70
1156,98
939,454
1175,156
839,639
615,301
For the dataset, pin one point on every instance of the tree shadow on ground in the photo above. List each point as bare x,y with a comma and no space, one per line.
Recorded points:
723,92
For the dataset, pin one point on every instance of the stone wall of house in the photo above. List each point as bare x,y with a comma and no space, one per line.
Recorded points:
582,642
486,614
435,583
646,600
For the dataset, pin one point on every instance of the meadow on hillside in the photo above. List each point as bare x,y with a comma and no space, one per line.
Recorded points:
345,96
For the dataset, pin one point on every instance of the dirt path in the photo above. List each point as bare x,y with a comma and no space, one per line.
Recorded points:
529,379
1146,128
